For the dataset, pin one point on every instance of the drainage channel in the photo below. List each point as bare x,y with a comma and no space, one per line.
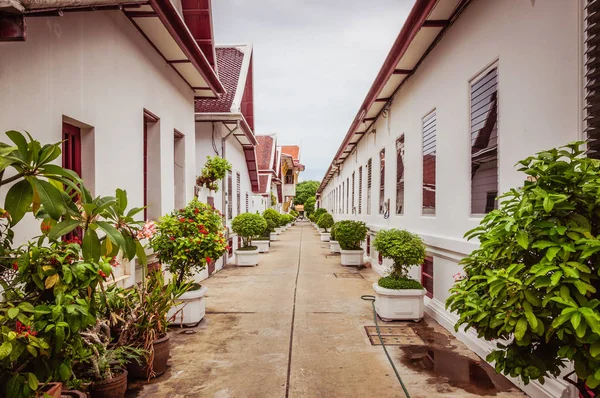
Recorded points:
289,365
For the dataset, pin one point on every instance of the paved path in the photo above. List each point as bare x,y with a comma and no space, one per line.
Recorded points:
290,328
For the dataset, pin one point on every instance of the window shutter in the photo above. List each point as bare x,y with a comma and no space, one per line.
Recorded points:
381,180
369,174
592,81
238,195
484,141
347,195
427,275
229,195
429,154
247,202
400,175
353,178
360,184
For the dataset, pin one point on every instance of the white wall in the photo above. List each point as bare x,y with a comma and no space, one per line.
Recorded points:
538,53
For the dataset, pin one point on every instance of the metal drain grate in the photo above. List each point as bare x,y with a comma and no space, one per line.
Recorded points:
394,335
354,275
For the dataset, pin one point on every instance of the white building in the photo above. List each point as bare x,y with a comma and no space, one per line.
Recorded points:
290,171
118,83
467,90
268,155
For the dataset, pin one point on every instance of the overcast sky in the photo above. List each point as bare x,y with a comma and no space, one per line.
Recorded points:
314,61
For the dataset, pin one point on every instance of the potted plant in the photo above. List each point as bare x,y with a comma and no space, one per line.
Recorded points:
186,241
214,169
262,241
317,214
350,234
248,225
398,296
325,222
334,245
533,282
273,216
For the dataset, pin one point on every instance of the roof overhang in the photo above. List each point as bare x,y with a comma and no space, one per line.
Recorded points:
245,136
162,25
422,30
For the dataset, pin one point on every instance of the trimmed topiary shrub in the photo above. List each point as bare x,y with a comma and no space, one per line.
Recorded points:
534,280
273,216
390,282
325,221
349,234
248,225
332,231
404,248
319,212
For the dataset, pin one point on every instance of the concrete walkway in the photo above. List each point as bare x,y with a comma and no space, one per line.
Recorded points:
291,328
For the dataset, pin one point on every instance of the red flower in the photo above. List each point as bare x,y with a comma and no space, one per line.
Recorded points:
172,238
25,329
190,220
204,232
114,262
196,211
16,266
102,274
227,247
208,259
182,219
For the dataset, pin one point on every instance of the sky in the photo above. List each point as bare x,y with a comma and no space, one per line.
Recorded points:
314,61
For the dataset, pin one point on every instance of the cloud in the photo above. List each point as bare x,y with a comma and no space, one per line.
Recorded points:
314,61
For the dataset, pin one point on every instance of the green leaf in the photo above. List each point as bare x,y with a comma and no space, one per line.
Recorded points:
113,233
64,372
533,321
26,307
141,254
548,204
5,349
595,349
522,239
18,200
552,252
32,381
13,312
59,333
13,386
542,244
19,140
521,328
121,199
91,247
63,228
50,197
555,278
576,319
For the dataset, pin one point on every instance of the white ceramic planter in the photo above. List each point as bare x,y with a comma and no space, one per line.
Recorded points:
193,308
289,225
246,258
352,257
325,236
263,245
321,230
273,236
399,304
278,231
334,246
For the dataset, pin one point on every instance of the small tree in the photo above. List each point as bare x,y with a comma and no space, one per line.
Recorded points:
349,234
534,280
404,248
273,216
325,221
332,231
214,169
309,206
248,225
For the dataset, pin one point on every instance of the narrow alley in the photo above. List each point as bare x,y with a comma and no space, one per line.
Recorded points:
294,326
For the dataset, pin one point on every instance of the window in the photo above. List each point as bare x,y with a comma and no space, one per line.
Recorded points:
229,195
429,153
151,149
247,202
289,177
592,88
71,148
368,244
427,275
400,175
353,208
369,172
381,181
360,184
347,194
484,140
238,194
179,169
342,198
230,244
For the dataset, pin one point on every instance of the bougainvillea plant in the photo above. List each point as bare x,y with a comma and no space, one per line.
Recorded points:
188,239
214,169
534,282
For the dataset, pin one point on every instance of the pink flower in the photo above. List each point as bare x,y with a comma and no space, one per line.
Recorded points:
459,276
147,231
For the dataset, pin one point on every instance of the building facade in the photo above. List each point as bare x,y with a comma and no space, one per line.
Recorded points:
468,89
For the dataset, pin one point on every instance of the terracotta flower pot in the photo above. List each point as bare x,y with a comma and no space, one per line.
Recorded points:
110,388
53,390
162,349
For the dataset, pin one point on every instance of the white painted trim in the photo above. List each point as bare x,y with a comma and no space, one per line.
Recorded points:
552,388
236,105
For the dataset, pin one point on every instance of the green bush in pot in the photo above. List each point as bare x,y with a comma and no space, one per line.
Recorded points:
350,234
319,212
332,231
325,221
214,169
248,225
534,279
406,250
273,216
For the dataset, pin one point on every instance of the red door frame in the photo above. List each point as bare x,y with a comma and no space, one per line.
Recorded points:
71,148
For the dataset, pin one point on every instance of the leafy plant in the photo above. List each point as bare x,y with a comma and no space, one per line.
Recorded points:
533,283
294,213
319,212
332,232
349,234
305,190
309,206
273,216
214,169
248,225
325,221
188,239
392,282
404,248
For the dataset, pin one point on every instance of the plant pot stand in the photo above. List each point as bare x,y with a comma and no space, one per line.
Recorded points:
399,304
325,236
263,245
246,258
352,258
193,308
334,246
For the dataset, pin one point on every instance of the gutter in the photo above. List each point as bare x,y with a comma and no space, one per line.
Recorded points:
228,117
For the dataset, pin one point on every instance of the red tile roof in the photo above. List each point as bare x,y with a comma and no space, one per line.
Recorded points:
264,151
292,150
229,62
263,180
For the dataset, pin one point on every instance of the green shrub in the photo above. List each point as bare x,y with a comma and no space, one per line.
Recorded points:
319,212
349,234
214,169
535,275
404,248
309,206
325,221
294,213
332,231
248,225
311,217
390,282
273,216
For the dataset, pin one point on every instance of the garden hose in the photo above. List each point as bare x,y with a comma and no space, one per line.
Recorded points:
368,297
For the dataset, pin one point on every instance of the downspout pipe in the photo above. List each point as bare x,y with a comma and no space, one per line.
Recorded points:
224,156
